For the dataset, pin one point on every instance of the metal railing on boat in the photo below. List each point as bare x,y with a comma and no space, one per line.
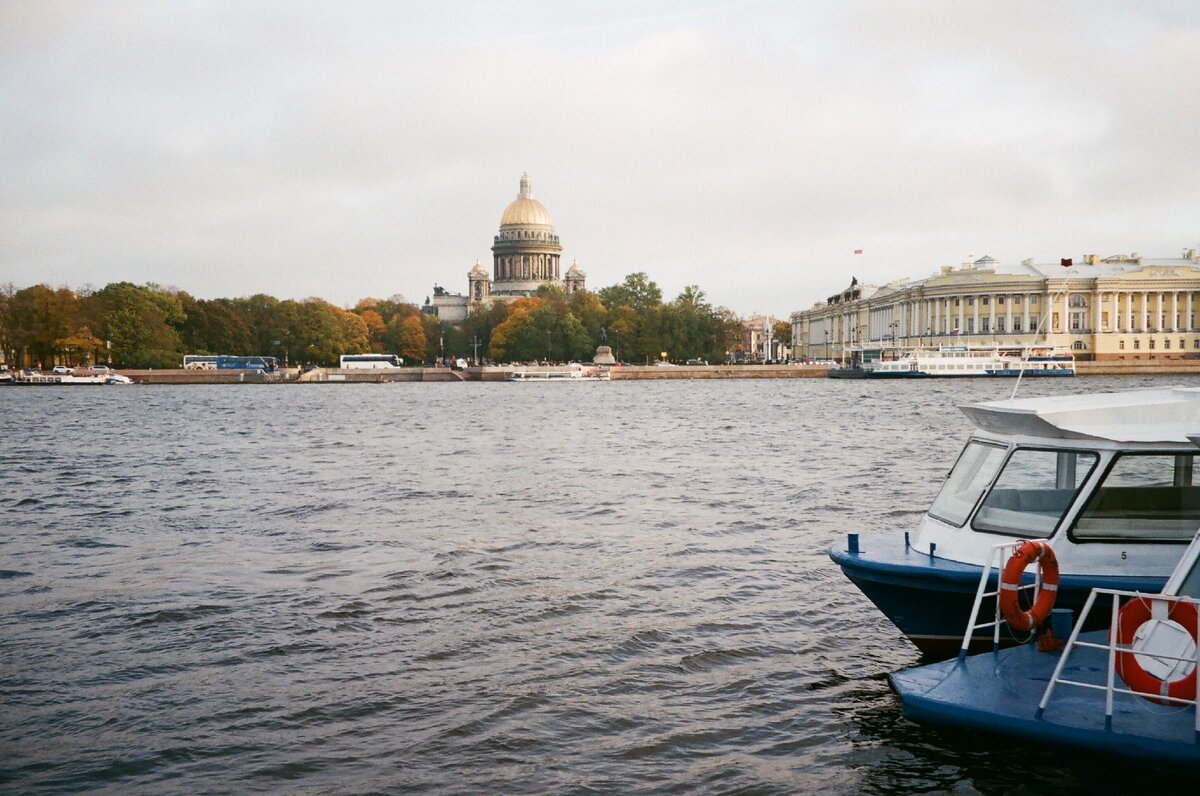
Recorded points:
999,555
1113,648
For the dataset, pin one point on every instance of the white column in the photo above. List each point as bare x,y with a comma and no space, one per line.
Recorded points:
992,313
1174,310
1112,317
1096,307
1025,314
1008,314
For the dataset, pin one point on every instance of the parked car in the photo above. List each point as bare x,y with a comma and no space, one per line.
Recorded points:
697,362
63,370
662,363
100,368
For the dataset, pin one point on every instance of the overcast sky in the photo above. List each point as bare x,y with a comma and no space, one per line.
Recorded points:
357,149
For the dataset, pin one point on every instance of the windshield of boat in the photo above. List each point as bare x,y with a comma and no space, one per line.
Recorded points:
974,470
1034,491
1150,497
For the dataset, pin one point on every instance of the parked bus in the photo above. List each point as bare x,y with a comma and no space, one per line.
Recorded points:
261,364
199,362
357,361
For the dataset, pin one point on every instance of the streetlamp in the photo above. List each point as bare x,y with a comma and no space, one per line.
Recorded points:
826,345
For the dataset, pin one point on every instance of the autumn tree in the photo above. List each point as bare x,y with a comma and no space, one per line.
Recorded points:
406,337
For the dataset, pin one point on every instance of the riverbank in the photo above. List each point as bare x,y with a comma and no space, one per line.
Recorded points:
1121,367
497,373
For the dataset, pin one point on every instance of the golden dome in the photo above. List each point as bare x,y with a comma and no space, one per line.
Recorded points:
525,210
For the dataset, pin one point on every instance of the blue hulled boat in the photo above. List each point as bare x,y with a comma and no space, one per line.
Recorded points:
1106,479
1128,695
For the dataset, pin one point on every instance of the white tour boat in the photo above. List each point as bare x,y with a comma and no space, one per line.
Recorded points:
573,373
958,361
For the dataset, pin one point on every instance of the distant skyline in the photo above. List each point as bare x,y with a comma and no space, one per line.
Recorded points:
368,148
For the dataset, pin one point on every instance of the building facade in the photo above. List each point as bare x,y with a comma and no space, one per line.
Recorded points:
526,254
756,343
1119,307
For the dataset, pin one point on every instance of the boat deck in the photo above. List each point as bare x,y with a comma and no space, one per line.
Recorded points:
1000,692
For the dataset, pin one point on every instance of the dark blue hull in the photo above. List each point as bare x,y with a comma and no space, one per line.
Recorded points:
1029,373
929,598
999,693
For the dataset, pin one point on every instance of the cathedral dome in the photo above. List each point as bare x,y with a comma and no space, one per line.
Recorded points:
525,210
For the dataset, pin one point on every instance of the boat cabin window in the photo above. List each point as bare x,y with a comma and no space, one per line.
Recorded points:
974,470
1190,586
1143,497
1034,491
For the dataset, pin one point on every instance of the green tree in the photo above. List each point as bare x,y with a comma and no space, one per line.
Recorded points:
318,331
138,322
637,291
781,333
589,310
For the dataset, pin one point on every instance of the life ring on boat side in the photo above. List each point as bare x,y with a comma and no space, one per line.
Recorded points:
1137,612
1029,552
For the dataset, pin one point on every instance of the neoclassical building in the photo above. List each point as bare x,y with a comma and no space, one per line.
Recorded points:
1119,307
526,254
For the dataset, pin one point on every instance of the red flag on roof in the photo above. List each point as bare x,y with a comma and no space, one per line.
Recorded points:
858,251
1066,262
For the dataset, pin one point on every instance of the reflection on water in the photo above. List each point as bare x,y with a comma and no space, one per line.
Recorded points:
471,587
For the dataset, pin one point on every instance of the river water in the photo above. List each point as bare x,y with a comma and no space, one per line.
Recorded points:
462,588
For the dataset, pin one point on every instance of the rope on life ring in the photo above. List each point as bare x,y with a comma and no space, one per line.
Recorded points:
1137,612
1029,552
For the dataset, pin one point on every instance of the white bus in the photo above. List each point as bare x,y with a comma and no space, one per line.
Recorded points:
356,361
199,362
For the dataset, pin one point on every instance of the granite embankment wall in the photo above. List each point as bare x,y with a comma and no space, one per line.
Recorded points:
1139,367
334,376
641,372
1121,367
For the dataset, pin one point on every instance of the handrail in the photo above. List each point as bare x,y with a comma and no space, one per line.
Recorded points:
1110,689
981,592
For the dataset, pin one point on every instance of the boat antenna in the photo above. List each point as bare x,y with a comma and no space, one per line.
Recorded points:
1041,321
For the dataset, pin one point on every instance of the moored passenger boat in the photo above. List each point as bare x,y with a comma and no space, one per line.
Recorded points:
33,378
574,373
1107,479
962,361
1092,695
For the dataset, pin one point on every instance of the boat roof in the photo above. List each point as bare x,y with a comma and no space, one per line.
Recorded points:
1168,414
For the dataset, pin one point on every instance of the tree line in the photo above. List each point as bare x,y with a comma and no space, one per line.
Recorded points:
150,326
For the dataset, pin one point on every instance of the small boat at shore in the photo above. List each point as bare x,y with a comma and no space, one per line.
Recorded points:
1092,696
32,378
573,373
962,361
1108,480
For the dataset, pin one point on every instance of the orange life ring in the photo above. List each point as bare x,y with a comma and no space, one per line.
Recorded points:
1135,613
1029,552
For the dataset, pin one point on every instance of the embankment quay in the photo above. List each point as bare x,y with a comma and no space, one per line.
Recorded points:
625,373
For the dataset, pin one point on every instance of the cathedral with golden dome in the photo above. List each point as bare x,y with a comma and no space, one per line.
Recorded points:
525,255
